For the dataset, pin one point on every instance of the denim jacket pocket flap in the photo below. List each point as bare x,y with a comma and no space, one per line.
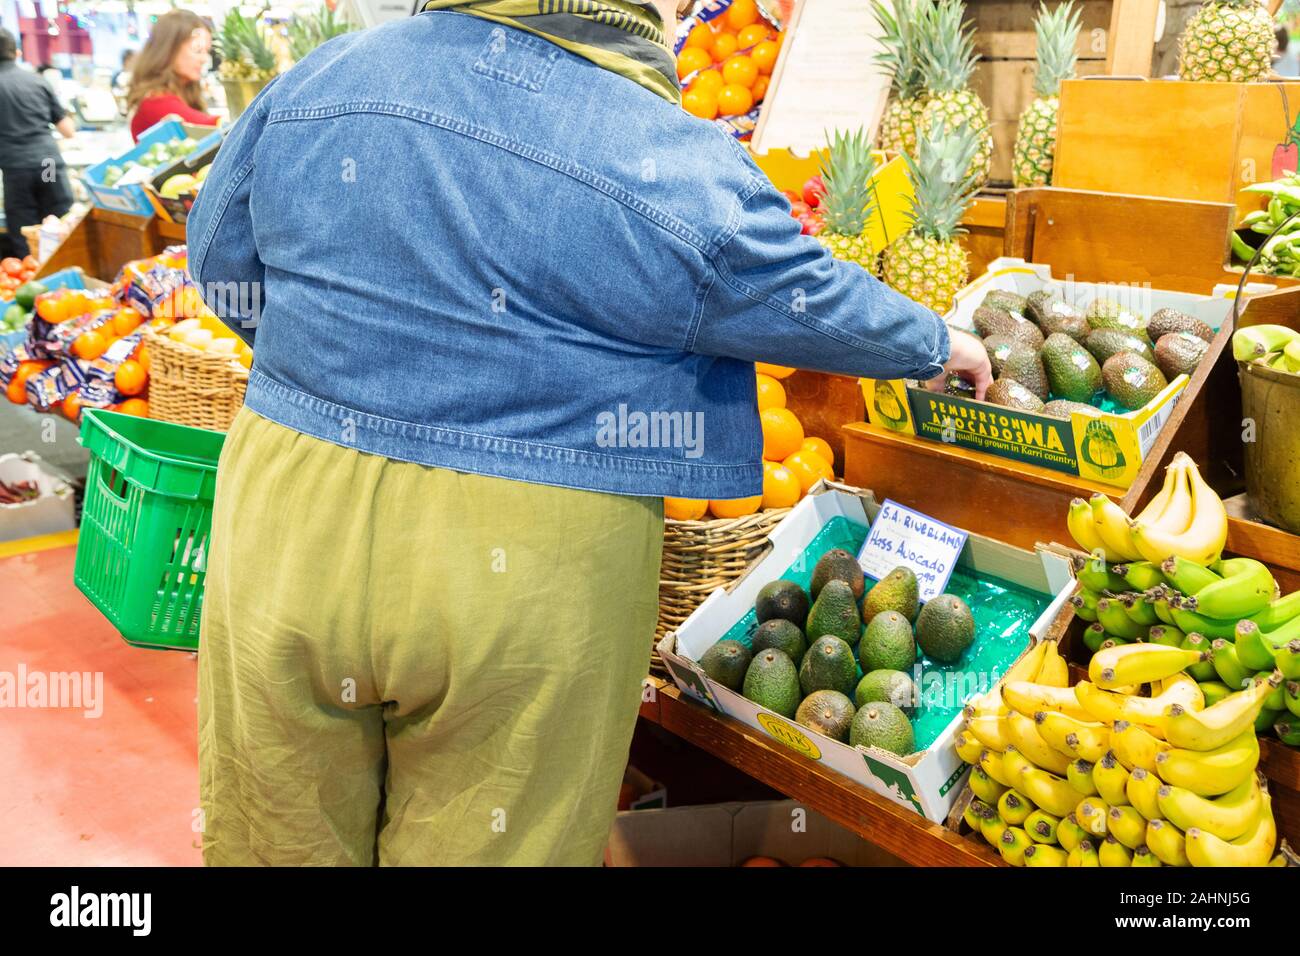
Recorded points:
517,58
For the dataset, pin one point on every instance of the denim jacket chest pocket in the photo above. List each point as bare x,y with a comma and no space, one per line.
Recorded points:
517,58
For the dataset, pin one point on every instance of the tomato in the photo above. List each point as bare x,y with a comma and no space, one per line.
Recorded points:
799,209
11,266
792,196
813,190
30,263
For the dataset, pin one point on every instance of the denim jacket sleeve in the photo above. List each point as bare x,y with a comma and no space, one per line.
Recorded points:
223,254
776,296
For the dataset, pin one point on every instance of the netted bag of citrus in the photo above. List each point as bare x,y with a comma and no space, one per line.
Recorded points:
726,52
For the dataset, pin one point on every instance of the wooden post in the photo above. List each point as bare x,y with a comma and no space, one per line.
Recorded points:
1132,37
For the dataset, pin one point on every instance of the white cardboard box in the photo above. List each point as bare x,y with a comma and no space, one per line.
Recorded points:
927,781
53,511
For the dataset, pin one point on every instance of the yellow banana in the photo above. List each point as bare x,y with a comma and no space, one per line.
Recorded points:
1054,672
1085,854
1142,789
1134,746
1114,853
1227,818
991,731
1211,772
1080,776
1127,826
1083,528
1041,826
1215,726
1111,779
1028,699
991,762
969,747
1113,528
1175,511
1110,706
985,787
1028,666
1041,854
1122,664
1254,848
990,704
1069,833
1091,813
1013,845
1143,856
1077,739
1166,841
1014,808
1025,738
1045,789
992,828
1201,542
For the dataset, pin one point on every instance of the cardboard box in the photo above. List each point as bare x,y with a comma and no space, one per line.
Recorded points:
132,198
927,781
1054,443
727,834
177,210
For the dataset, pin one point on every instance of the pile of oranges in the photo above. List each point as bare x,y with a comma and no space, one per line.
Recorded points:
792,461
732,57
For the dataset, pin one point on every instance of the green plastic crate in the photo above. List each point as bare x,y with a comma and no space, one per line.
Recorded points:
145,524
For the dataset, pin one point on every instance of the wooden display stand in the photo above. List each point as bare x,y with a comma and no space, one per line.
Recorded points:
105,240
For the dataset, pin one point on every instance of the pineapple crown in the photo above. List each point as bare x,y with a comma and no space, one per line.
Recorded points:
1058,34
943,183
308,30
242,40
846,169
947,47
900,24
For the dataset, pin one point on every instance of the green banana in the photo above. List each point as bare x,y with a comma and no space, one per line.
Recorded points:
1167,635
1195,623
1287,659
1281,611
1079,775
1267,720
1141,792
1094,635
1085,605
1215,691
1203,671
1188,576
1247,587
1085,854
1160,604
1291,697
1127,826
1114,853
1041,826
1230,670
1040,854
1143,856
1255,341
1112,616
1277,699
1141,575
1014,808
1288,731
1068,832
1110,779
1097,577
1138,609
1255,649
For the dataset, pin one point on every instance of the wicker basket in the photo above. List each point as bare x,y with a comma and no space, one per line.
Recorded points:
190,387
700,556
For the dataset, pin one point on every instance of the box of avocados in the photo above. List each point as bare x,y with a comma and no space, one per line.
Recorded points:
1107,444
1013,595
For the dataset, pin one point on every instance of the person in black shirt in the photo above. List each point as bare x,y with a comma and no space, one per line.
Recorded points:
35,179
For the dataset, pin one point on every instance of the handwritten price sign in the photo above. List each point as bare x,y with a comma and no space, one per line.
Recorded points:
903,537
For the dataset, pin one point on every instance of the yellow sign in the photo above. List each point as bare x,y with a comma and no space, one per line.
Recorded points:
789,735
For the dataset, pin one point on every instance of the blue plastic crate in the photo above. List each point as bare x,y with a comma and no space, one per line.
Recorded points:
132,199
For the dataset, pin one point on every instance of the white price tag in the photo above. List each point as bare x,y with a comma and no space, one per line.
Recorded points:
901,536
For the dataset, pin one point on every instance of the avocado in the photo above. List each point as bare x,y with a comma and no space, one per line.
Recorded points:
1131,380
996,322
1004,300
1054,314
828,665
783,599
999,347
892,687
1024,366
1103,343
834,612
783,635
945,628
896,591
1072,372
838,565
1109,314
1060,408
881,724
887,643
726,662
828,712
25,295
1164,321
1178,353
772,681
1011,394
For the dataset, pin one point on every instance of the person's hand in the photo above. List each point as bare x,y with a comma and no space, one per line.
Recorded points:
969,359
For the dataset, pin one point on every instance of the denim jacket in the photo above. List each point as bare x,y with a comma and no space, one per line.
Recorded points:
454,243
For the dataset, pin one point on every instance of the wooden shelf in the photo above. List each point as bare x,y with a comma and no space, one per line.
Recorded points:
905,834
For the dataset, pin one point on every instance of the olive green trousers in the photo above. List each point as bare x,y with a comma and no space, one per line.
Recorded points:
403,665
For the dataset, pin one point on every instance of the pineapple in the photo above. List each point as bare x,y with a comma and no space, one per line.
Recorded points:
947,61
847,202
928,264
900,26
1058,33
1227,41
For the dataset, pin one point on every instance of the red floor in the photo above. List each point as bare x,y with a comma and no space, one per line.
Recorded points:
120,789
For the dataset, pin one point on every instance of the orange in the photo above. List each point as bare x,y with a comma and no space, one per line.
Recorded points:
752,35
701,103
724,44
685,509
741,14
782,433
90,345
50,306
75,303
771,393
808,468
29,368
72,406
16,391
141,355
764,55
126,321
820,447
130,377
740,70
134,406
710,81
692,58
735,100
780,487
776,371
700,37
735,507
759,89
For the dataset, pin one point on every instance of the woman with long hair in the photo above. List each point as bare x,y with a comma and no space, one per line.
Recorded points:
166,76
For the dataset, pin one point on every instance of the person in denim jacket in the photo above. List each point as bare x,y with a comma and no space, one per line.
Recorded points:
468,248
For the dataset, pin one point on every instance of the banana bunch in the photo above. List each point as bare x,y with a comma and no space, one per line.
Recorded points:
1185,518
1102,774
1273,345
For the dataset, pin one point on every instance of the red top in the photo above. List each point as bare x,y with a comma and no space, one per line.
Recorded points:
154,108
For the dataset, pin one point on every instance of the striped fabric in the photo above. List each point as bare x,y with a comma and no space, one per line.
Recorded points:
619,35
